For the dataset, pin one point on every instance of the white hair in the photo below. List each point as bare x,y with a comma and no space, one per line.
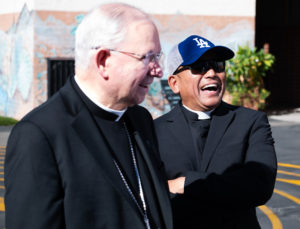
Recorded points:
105,27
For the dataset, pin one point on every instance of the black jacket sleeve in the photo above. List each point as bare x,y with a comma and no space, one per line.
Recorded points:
246,184
34,197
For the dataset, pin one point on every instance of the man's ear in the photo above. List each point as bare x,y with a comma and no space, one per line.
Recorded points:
173,83
101,62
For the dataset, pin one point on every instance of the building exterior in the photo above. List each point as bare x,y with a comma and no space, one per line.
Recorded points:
35,34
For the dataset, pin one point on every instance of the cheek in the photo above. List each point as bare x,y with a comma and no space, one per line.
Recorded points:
138,70
196,87
223,79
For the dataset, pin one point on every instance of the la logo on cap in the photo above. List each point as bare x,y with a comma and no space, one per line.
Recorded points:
201,43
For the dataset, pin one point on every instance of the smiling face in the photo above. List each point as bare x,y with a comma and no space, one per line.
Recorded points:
130,78
199,91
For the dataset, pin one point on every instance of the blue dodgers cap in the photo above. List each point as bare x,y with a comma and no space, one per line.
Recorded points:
196,48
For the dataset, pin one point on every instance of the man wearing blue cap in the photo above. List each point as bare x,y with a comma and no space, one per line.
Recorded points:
219,159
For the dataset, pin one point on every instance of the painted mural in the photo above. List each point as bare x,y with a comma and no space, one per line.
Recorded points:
16,66
32,39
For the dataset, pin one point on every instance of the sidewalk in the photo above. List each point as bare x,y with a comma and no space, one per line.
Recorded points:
4,133
290,117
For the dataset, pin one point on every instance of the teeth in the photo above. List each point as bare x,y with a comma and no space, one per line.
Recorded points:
210,85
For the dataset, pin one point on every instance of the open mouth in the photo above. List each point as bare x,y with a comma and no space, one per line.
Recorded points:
143,86
210,87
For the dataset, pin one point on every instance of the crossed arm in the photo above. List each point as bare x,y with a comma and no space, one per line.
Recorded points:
249,183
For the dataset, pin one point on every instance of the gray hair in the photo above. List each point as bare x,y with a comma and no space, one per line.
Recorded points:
104,26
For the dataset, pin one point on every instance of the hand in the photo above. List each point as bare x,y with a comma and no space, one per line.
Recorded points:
177,185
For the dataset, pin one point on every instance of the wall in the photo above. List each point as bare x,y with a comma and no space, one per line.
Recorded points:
16,65
44,29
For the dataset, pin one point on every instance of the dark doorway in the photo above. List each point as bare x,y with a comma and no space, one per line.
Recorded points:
278,24
58,72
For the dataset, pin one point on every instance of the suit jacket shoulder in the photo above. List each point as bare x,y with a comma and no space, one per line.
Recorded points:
170,116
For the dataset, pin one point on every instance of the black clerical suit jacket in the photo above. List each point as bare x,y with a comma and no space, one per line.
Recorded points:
59,171
236,173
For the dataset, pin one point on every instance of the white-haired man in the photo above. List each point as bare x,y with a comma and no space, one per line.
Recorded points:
87,158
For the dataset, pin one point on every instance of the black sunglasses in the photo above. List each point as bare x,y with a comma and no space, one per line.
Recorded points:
203,66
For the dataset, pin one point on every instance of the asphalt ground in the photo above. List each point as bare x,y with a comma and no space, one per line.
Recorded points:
282,211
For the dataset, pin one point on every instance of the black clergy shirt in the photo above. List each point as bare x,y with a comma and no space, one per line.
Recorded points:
117,139
199,129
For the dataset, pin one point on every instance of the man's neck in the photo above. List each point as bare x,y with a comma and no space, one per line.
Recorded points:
92,97
201,114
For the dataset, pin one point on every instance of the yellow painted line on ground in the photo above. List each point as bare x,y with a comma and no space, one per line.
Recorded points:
275,221
2,187
1,162
2,153
290,181
289,165
1,167
1,179
2,146
288,173
2,207
1,157
290,197
1,173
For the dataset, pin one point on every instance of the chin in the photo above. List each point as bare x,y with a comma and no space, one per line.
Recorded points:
213,105
139,100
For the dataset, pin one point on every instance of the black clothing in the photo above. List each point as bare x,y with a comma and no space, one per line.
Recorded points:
236,173
60,171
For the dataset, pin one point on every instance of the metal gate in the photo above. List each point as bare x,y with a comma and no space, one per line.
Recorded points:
58,72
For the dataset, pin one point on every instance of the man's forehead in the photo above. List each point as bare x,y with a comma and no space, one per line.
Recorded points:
142,34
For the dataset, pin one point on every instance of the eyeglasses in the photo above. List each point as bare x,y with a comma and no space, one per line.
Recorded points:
147,58
203,66
150,57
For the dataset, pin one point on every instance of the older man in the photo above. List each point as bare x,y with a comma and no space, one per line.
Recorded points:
220,159
87,158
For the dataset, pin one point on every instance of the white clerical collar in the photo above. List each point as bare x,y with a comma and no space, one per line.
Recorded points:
201,114
89,95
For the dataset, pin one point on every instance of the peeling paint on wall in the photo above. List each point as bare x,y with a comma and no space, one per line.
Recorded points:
53,39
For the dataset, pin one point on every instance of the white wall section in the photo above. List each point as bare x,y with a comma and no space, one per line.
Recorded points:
189,7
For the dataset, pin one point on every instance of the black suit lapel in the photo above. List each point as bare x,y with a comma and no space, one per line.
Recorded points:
96,143
159,184
221,119
93,138
178,124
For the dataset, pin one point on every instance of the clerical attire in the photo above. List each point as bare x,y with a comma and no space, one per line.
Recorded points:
199,127
125,153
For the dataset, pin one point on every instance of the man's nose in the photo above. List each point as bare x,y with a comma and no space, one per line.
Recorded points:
210,73
155,69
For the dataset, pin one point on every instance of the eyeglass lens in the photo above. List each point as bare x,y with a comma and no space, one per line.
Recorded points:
204,66
152,57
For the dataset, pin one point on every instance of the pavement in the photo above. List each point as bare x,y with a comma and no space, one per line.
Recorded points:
292,117
4,133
